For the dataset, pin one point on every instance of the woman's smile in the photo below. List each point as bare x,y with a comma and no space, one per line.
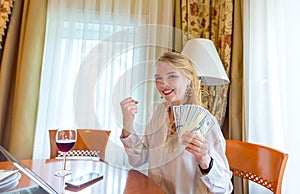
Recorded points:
167,92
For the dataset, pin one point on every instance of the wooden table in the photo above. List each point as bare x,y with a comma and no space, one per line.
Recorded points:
115,180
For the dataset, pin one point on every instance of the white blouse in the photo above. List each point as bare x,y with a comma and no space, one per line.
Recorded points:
171,166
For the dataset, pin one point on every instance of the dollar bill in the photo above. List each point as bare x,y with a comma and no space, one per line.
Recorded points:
193,118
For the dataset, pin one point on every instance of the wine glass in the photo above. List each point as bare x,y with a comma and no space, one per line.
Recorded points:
65,141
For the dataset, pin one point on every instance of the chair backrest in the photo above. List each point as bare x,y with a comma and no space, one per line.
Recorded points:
90,143
257,163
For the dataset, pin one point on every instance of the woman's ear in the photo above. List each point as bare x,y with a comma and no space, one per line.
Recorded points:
189,82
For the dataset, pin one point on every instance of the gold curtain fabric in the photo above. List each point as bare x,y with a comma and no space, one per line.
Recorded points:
211,19
5,11
20,76
8,70
178,37
236,103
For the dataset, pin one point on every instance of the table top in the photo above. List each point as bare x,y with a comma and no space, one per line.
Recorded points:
115,180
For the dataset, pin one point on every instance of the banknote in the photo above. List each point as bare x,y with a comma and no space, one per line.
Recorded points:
192,118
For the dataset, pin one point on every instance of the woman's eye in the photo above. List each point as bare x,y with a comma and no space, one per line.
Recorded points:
172,76
157,78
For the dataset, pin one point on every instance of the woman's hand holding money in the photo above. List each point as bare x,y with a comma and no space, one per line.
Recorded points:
197,145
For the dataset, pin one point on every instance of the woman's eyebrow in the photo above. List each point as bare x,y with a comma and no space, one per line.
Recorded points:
172,72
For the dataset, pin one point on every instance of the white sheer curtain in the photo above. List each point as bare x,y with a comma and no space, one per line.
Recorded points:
97,53
271,72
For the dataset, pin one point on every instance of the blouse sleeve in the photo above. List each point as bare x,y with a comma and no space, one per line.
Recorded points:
136,149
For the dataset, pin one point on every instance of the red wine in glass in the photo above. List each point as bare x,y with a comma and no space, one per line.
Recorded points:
65,145
65,141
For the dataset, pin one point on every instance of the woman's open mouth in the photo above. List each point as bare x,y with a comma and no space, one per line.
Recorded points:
167,92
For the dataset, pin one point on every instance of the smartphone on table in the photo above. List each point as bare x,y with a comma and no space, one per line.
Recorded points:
84,180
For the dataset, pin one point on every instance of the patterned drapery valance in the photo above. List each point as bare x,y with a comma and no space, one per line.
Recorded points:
5,11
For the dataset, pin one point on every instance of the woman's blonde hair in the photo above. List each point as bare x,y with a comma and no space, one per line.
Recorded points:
186,67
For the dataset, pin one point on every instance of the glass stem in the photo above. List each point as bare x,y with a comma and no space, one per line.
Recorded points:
64,164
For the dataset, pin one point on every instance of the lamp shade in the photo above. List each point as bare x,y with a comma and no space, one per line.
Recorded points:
203,54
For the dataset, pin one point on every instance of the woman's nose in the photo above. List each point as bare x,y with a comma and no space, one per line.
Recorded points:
163,82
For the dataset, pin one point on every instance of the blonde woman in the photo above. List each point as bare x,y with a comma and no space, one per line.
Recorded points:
189,164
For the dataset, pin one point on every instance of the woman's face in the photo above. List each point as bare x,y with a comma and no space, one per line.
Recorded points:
170,82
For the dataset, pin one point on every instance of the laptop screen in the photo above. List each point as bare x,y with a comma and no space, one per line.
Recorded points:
42,186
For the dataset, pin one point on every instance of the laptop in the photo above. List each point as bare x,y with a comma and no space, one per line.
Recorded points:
41,187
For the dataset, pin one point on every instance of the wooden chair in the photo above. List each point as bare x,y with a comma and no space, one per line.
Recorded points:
91,143
257,163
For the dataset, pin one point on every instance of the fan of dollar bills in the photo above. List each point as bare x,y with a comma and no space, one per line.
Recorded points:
192,118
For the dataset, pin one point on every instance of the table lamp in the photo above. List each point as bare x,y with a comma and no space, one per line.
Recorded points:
209,68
